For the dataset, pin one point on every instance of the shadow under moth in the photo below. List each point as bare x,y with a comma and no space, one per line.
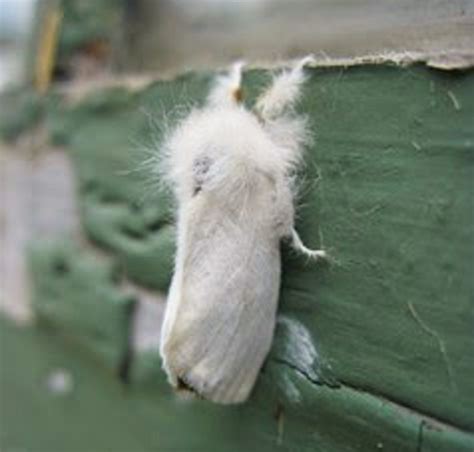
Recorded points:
232,172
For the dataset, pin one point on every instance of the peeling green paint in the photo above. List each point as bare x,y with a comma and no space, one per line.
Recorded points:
388,193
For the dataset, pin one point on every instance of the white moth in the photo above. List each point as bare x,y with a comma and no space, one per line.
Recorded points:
231,171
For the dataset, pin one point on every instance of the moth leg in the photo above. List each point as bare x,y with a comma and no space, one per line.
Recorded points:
283,92
299,246
227,89
284,220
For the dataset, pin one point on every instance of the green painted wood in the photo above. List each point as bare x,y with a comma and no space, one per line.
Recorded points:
102,414
77,294
389,195
395,207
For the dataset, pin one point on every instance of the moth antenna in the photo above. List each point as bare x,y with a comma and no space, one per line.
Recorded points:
305,61
228,88
284,91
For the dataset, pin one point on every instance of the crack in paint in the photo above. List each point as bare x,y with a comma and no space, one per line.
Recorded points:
320,382
428,421
441,345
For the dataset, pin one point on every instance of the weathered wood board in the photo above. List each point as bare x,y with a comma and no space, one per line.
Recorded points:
389,194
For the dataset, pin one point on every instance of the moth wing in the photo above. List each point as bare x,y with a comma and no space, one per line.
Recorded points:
220,319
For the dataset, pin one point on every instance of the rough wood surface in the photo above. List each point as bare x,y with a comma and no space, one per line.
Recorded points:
178,35
387,326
